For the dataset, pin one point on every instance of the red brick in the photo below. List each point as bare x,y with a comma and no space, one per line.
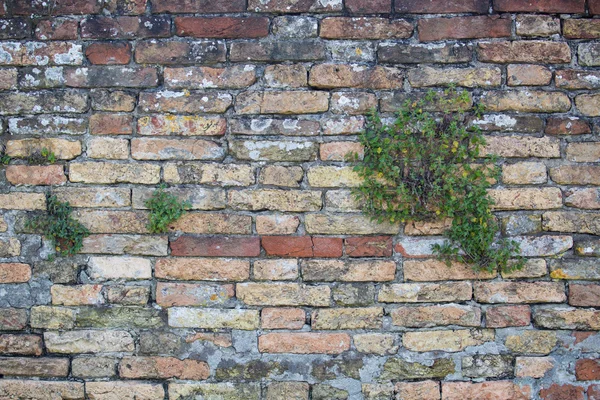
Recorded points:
198,6
587,370
35,175
56,29
304,343
567,126
170,52
369,246
282,318
442,7
127,7
540,6
562,392
584,295
222,27
125,27
26,345
497,390
217,246
594,6
109,53
505,316
593,391
111,124
369,6
163,368
14,273
59,7
431,29
302,246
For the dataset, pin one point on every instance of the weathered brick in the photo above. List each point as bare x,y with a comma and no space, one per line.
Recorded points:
581,29
351,224
425,293
508,123
496,389
526,199
279,224
274,199
505,316
347,318
438,315
531,51
222,27
285,76
449,7
40,367
332,176
532,342
354,76
487,366
343,125
566,221
588,104
163,368
589,54
522,147
365,28
111,76
520,292
526,101
282,318
291,102
302,246
565,391
125,27
210,174
89,295
533,268
128,295
567,318
199,199
110,268
124,390
594,7
88,341
224,246
41,78
26,345
23,201
180,317
348,271
574,269
102,172
537,25
202,269
108,148
8,79
353,103
522,173
281,176
108,53
181,125
294,27
235,77
567,126
110,124
423,53
112,100
443,103
35,175
583,152
40,53
540,6
577,79
275,270
38,390
198,6
283,294
56,318
63,149
176,52
277,51
233,391
171,149
446,340
127,7
528,75
24,7
375,246
293,6
435,270
590,248
584,295
304,343
432,29
279,127
57,101
467,77
13,319
184,102
101,221
398,368
190,294
56,29
534,367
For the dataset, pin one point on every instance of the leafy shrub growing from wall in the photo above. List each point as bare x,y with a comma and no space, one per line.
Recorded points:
426,165
165,208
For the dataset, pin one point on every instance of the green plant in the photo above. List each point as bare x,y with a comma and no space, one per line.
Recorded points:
165,208
57,224
43,156
427,165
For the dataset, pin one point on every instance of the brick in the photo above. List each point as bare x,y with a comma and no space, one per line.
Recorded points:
35,175
365,28
425,293
577,79
281,176
348,271
176,52
169,149
304,343
94,367
56,29
302,246
8,79
398,367
341,201
120,7
294,27
528,75
575,175
128,295
202,269
23,7
522,173
23,201
108,53
216,246
540,6
15,28
353,103
587,104
235,77
526,101
420,228
594,7
89,295
279,127
283,294
567,126
435,270
520,292
574,269
418,390
343,125
449,7
111,76
291,102
537,25
593,391
13,319
101,221
351,51
24,148
213,223
505,123
467,77
526,199
282,318
567,318
347,318
581,29
191,294
433,29
181,125
107,173
286,76
343,76
587,369
444,102
422,53
163,368
505,316
544,245
293,50
199,199
47,125
487,366
533,367
557,392
25,345
293,6
584,295
235,391
505,390
125,27
184,102
287,390
275,270
94,197
532,51
124,390
276,224
565,221
38,390
41,53
589,54
446,340
275,200
273,150
210,174
583,152
108,148
13,103
368,6
222,27
56,318
375,246
199,6
590,248
112,100
110,268
40,367
180,317
11,247
438,315
41,78
349,224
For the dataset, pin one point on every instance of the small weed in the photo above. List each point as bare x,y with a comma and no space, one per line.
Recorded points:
57,224
44,156
165,208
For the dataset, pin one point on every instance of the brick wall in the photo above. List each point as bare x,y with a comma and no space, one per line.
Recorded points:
274,285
